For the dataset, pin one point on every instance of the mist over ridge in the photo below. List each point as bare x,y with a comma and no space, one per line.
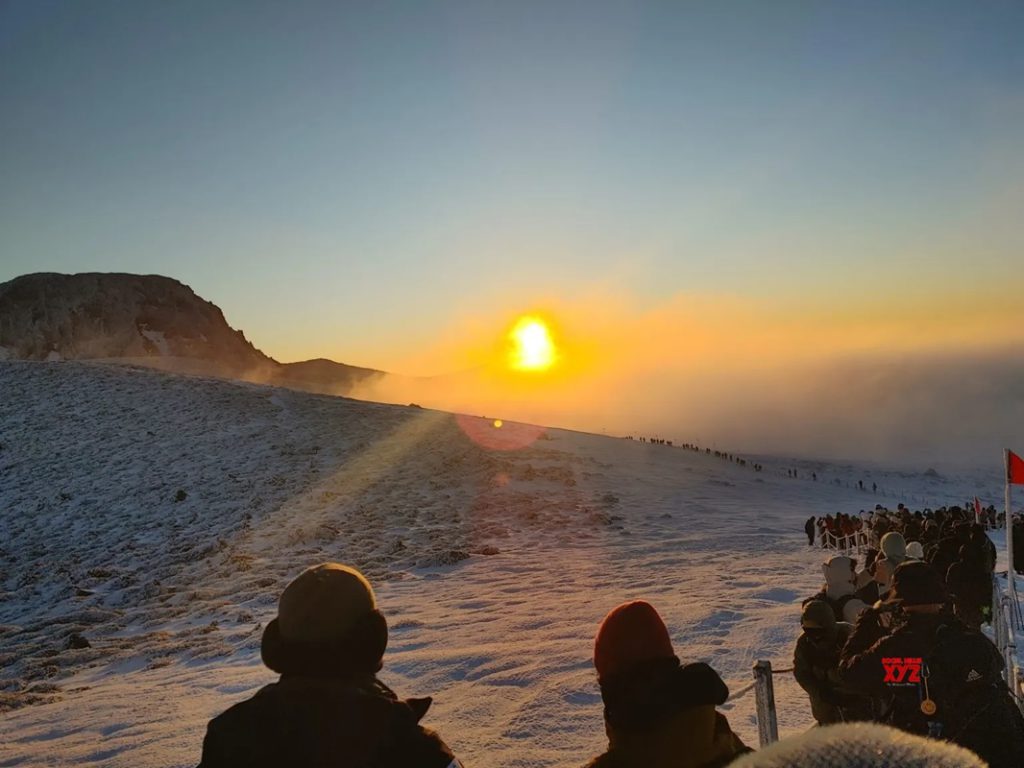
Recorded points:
709,371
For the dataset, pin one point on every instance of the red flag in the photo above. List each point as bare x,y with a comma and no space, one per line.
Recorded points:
977,507
1014,469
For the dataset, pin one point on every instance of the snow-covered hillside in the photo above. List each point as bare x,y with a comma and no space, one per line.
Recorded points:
159,516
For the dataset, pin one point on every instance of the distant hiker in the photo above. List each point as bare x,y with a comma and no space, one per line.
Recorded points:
970,585
839,590
880,525
932,675
893,553
657,712
809,530
978,540
867,587
865,576
328,708
947,549
874,487
894,548
816,667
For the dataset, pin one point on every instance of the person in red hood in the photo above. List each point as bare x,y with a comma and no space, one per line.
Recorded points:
658,713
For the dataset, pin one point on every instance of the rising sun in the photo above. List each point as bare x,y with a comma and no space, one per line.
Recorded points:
532,348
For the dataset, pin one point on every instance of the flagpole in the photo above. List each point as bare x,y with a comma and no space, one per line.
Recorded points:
1011,582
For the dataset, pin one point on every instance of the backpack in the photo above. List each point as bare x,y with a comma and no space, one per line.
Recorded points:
962,668
974,706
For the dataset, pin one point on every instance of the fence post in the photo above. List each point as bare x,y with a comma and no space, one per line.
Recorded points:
997,613
1010,651
764,690
1018,689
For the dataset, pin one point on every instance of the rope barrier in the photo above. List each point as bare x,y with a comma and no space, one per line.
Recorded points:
741,692
748,688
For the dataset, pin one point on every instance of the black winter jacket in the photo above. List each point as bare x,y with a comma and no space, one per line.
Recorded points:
959,673
302,722
816,669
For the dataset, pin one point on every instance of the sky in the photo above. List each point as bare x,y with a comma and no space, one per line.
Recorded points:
392,184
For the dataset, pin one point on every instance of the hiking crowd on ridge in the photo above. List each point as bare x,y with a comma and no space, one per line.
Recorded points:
899,641
895,645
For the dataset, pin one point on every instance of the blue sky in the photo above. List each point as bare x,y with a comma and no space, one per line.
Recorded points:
350,179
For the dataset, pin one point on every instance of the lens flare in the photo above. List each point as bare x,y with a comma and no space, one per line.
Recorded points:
511,436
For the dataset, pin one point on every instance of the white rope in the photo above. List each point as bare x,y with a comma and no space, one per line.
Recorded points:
741,692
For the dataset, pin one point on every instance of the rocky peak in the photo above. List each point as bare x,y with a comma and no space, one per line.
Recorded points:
97,315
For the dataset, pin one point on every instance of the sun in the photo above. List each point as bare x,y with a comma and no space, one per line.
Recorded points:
532,348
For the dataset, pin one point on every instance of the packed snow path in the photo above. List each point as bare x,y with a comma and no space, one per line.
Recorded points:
160,516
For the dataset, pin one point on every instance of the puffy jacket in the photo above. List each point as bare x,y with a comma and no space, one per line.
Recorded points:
816,669
302,722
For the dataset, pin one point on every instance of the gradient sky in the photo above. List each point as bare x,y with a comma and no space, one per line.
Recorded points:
354,180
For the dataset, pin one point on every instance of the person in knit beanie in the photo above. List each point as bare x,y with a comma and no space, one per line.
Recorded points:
658,713
328,708
816,666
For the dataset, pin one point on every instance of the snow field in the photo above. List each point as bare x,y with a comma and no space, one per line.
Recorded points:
494,567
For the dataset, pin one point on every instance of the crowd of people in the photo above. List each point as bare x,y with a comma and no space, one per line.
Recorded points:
894,645
867,528
899,641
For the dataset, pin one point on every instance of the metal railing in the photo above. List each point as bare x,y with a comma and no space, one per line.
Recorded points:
851,542
1006,623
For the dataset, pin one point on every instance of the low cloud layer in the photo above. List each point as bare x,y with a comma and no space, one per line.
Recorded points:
941,381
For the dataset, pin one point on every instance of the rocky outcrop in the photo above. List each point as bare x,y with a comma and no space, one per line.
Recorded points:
91,315
145,319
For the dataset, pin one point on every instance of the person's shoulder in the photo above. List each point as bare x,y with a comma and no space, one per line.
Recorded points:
605,760
230,737
243,709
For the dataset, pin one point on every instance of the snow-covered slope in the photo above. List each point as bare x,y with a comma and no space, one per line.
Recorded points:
159,516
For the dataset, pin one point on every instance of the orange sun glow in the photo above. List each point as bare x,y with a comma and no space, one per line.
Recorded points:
532,348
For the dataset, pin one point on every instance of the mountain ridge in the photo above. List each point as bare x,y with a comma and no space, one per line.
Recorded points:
151,320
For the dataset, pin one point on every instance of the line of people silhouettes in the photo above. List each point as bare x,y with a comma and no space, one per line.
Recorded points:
330,710
900,642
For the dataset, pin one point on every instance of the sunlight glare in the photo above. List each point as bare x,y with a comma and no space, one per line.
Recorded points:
532,346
